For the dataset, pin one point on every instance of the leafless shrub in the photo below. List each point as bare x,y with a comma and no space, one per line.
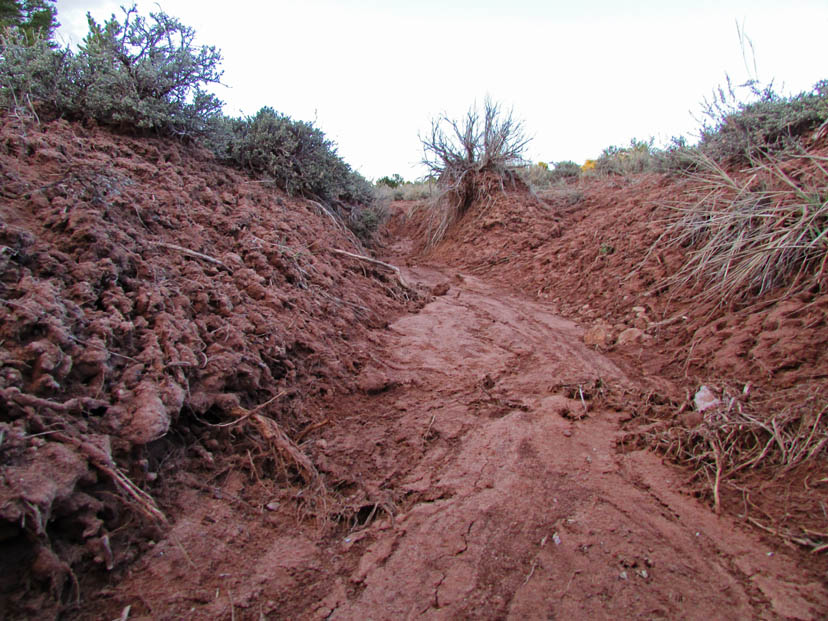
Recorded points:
459,152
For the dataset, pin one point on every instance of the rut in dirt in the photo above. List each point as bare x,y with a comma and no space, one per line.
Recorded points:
486,483
517,502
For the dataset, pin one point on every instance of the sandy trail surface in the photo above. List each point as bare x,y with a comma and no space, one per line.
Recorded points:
487,482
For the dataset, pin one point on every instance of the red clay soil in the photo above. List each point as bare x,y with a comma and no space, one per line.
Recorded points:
587,249
466,460
150,298
479,485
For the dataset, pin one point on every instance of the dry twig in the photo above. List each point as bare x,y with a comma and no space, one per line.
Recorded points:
388,266
193,253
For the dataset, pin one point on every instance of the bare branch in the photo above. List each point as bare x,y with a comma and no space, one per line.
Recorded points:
455,151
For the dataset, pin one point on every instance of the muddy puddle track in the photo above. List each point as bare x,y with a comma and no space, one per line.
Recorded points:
486,483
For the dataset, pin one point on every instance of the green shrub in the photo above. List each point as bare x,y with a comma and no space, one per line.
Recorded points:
678,157
536,176
148,74
407,191
566,170
34,19
394,181
142,75
36,76
365,220
737,131
540,176
638,157
295,155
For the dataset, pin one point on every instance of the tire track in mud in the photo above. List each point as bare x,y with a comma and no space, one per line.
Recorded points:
536,515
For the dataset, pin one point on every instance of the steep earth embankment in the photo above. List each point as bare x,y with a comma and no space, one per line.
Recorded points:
151,299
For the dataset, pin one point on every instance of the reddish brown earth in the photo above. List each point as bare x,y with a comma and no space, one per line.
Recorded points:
465,458
479,488
152,298
588,249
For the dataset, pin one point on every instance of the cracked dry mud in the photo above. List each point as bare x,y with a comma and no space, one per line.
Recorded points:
484,486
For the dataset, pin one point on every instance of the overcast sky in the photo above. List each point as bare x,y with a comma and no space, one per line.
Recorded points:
582,75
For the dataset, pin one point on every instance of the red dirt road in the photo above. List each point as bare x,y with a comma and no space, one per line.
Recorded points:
484,481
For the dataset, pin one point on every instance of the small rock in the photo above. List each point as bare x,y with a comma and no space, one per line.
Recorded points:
630,335
272,506
691,419
567,433
38,200
597,336
705,399
441,289
374,381
623,575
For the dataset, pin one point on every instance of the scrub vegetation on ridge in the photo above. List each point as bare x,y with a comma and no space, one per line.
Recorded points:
147,76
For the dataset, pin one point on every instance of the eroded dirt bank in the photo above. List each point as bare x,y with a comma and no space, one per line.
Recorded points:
481,465
161,316
179,340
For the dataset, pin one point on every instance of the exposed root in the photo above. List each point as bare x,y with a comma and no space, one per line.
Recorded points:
270,431
193,253
103,462
388,266
72,406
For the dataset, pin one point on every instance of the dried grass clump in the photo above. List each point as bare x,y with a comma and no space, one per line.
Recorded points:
766,454
756,229
463,155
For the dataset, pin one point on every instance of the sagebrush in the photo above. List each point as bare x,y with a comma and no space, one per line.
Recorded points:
638,157
145,74
738,127
483,144
148,75
295,155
